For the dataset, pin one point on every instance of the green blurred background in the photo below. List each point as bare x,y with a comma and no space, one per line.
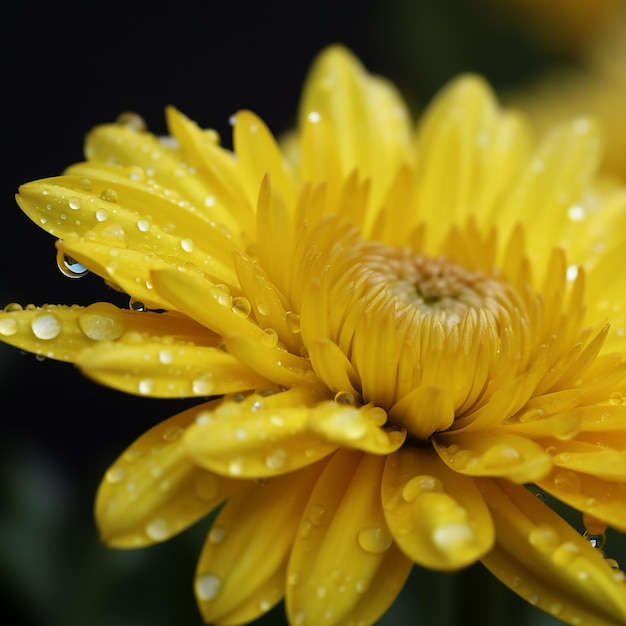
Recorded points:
65,68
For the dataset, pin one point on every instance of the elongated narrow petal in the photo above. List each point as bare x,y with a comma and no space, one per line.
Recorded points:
153,491
167,370
242,569
344,567
437,517
260,436
543,559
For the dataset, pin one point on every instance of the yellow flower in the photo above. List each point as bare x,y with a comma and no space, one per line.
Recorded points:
392,333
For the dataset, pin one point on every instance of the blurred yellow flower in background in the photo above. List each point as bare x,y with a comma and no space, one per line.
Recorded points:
391,330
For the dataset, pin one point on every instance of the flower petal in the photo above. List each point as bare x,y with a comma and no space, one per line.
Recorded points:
604,500
544,560
153,491
357,428
167,370
437,517
344,567
493,454
258,436
243,565
62,333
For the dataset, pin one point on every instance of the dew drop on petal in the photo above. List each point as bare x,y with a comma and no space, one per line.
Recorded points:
143,225
544,537
277,460
597,540
217,534
158,529
269,337
172,434
46,326
419,485
115,475
69,266
102,322
565,554
203,384
108,195
567,481
241,306
8,327
317,514
208,586
145,386
102,215
187,245
75,203
449,537
345,397
375,539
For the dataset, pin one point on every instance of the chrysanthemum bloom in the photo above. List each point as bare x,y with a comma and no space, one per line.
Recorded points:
391,334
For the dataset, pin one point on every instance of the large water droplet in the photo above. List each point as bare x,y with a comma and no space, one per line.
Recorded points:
421,484
567,481
203,384
241,306
208,586
8,327
46,326
115,474
450,537
70,267
597,540
158,529
277,460
544,537
102,321
375,539
217,534
108,195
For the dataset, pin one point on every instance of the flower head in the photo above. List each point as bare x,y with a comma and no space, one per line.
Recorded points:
391,333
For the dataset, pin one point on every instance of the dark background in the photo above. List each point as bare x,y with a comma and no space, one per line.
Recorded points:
67,67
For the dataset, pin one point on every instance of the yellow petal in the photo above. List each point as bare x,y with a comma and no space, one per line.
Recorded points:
437,517
217,168
166,369
258,154
605,500
157,160
544,560
62,333
258,436
485,454
333,367
344,567
358,428
423,411
464,137
243,565
153,491
351,120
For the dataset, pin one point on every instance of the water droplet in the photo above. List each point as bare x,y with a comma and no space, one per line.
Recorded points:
277,460
265,605
450,537
46,326
567,481
166,356
8,327
544,537
132,455
12,307
158,529
533,599
208,586
556,608
375,539
565,554
203,384
217,534
145,386
222,294
293,321
596,540
269,337
186,245
69,266
421,484
108,195
241,306
293,578
75,203
143,225
317,514
102,321
136,305
115,474
235,467
209,201
345,397
102,215
314,117
173,434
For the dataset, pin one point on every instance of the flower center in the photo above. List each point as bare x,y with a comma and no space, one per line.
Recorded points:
423,336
